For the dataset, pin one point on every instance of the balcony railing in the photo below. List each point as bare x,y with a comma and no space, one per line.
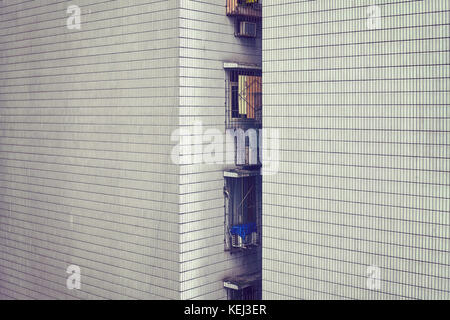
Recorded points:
243,102
243,287
244,8
242,209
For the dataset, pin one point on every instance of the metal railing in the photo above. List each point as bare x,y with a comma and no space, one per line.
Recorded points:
242,228
246,8
234,120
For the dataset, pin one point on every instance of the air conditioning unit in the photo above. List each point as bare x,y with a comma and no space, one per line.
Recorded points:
247,29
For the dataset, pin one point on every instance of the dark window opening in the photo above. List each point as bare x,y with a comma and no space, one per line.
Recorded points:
242,210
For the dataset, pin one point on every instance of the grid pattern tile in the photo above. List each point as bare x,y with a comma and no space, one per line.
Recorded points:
85,175
362,191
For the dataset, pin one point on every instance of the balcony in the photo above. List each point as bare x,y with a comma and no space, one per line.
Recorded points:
244,8
243,97
242,209
243,287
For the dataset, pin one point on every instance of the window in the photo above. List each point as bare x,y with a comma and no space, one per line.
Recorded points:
243,208
245,96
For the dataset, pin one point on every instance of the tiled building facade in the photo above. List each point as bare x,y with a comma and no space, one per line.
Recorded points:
360,206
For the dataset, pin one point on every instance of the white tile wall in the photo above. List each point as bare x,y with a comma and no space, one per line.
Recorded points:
364,171
85,123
